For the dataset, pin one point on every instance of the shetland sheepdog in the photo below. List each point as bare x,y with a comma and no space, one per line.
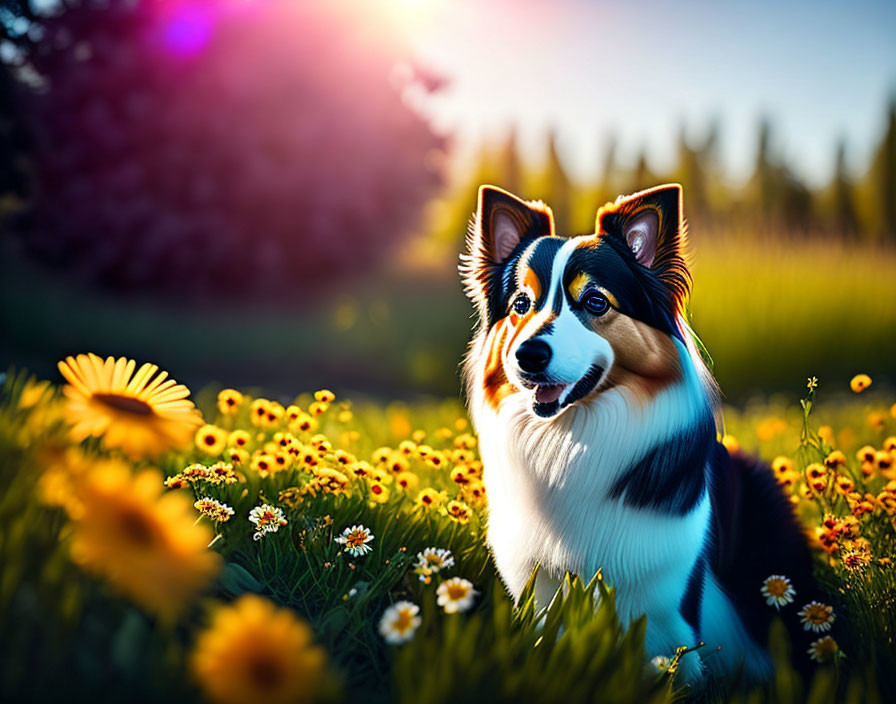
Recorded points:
599,423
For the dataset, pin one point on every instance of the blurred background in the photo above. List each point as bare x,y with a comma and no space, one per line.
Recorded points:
274,193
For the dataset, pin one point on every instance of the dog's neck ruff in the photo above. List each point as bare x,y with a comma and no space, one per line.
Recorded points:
598,461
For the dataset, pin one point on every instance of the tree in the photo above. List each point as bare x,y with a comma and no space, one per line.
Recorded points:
883,176
845,218
224,148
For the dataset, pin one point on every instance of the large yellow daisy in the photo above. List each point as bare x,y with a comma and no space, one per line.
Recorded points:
143,414
255,652
145,542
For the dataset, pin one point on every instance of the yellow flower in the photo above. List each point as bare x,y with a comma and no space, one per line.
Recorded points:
211,439
407,448
63,469
262,463
33,392
843,484
379,492
237,455
835,459
866,454
459,511
303,424
324,396
217,511
344,458
344,416
460,476
229,401
254,651
860,382
474,491
318,407
142,414
424,451
407,480
329,481
418,436
144,541
884,463
429,498
890,444
397,463
258,412
436,459
465,441
461,424
238,438
730,442
381,455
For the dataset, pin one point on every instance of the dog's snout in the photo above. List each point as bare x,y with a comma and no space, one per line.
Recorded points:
533,356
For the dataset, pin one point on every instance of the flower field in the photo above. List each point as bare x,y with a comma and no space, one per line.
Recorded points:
237,548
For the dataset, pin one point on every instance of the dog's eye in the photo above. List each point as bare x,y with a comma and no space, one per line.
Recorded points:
521,304
596,303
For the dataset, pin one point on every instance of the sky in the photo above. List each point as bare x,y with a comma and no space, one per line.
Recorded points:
639,70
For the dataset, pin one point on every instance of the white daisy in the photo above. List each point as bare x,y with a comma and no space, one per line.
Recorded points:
823,649
400,622
432,561
778,591
267,519
456,595
817,617
356,540
662,663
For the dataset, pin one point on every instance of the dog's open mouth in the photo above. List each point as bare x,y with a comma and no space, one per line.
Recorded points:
548,393
547,396
547,399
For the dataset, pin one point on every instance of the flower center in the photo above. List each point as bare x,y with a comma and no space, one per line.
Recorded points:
137,527
265,672
776,587
355,540
456,592
403,622
128,404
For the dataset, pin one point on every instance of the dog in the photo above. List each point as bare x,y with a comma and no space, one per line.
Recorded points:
599,422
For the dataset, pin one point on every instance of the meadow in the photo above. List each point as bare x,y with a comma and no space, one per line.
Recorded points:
770,308
312,549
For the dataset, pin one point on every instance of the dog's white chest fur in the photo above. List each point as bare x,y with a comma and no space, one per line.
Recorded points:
549,495
550,504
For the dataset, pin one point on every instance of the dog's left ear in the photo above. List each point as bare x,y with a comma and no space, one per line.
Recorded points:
652,225
501,223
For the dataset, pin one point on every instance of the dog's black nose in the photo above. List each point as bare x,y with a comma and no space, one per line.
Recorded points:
533,356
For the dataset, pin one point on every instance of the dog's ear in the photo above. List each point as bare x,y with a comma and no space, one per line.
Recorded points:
651,224
502,221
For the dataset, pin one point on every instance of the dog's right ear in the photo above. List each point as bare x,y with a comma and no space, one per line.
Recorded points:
501,223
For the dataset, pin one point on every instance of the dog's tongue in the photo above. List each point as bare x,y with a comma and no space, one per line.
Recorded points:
548,393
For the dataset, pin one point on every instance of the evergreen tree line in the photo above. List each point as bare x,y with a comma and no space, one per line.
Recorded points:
774,196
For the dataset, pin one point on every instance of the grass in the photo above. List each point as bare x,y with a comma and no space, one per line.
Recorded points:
68,621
